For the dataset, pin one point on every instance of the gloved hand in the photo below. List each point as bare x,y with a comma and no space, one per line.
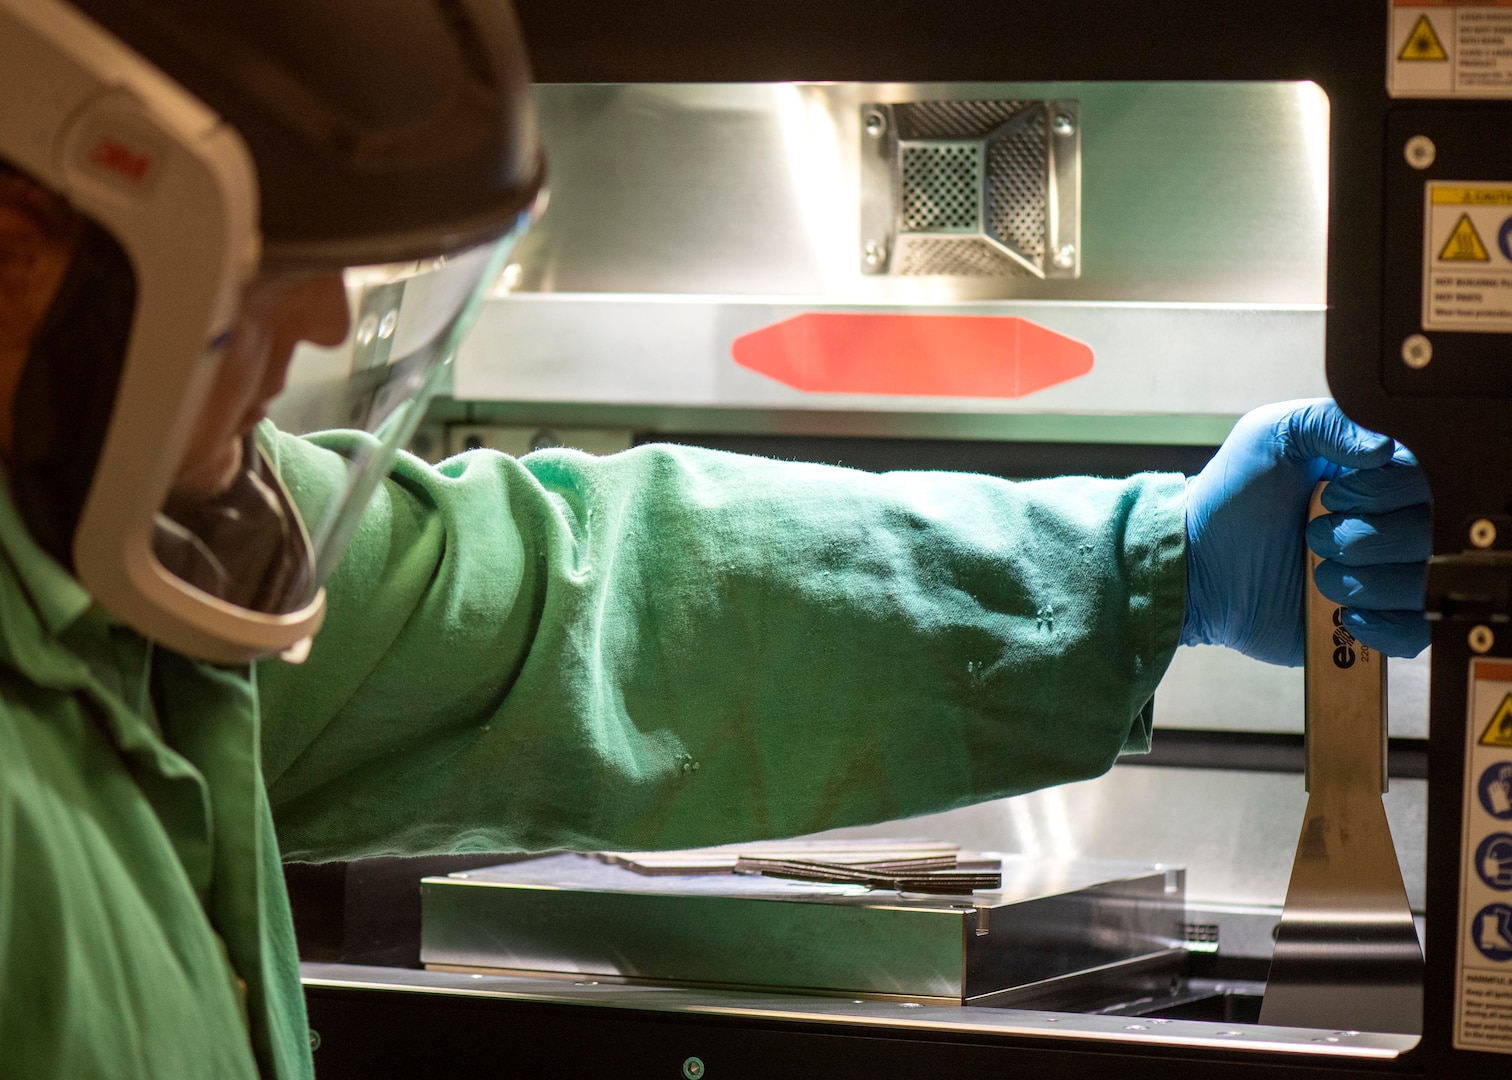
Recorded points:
1245,519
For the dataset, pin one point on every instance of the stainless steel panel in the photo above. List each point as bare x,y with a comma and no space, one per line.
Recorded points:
1166,428
1208,687
653,351
1069,1028
1235,833
683,216
1191,192
574,914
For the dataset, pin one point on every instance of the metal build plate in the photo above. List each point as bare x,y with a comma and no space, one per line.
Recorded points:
572,915
865,1016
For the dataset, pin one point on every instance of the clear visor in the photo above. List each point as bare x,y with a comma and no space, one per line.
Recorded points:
362,350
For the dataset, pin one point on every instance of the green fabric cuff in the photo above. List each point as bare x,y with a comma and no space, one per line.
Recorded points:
1156,557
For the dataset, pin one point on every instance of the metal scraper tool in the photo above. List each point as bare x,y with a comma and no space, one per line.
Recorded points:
1347,954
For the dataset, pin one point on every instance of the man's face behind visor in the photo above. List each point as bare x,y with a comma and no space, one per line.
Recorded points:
376,341
277,314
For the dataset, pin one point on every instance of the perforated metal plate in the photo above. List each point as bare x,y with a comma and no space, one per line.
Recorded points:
942,187
971,188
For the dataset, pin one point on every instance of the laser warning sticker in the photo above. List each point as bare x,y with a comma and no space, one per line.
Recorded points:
1449,48
1483,979
1423,43
1467,256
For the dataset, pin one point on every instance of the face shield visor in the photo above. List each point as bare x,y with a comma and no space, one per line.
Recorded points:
360,352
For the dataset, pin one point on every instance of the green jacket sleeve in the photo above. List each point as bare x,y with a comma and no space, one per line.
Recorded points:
674,647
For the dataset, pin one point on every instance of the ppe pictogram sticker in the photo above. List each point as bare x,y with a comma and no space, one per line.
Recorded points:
1464,244
1423,44
1493,861
1492,932
1496,791
1499,731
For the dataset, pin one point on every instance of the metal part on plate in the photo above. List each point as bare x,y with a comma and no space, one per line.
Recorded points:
1066,1029
973,188
574,915
1347,952
1483,532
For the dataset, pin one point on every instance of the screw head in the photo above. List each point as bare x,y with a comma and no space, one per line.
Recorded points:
693,1068
1065,256
1420,151
1063,124
1481,639
1483,533
876,124
314,1040
1417,352
874,254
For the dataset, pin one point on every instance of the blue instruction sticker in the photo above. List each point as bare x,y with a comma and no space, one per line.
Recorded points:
1492,932
1493,861
1496,790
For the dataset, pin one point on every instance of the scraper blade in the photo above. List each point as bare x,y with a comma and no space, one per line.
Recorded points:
1347,955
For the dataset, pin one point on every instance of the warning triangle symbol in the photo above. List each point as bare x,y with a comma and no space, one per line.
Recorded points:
1499,731
1464,244
1423,43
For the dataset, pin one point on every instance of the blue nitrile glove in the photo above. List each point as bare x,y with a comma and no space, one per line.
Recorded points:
1376,544
1245,518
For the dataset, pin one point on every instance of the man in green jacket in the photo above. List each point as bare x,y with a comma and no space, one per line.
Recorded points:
666,647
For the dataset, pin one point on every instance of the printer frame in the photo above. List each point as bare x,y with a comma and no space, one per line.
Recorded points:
1453,413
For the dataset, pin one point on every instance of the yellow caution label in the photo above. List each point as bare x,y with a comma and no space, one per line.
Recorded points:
1499,731
1423,43
1465,245
1472,196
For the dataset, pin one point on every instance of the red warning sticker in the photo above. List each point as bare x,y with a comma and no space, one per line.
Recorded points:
974,356
954,356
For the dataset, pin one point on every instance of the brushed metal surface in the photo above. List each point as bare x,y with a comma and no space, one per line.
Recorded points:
1219,689
1347,953
574,914
867,1015
1236,833
685,215
654,351
1191,192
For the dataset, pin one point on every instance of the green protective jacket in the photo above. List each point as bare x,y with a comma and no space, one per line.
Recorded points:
661,648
